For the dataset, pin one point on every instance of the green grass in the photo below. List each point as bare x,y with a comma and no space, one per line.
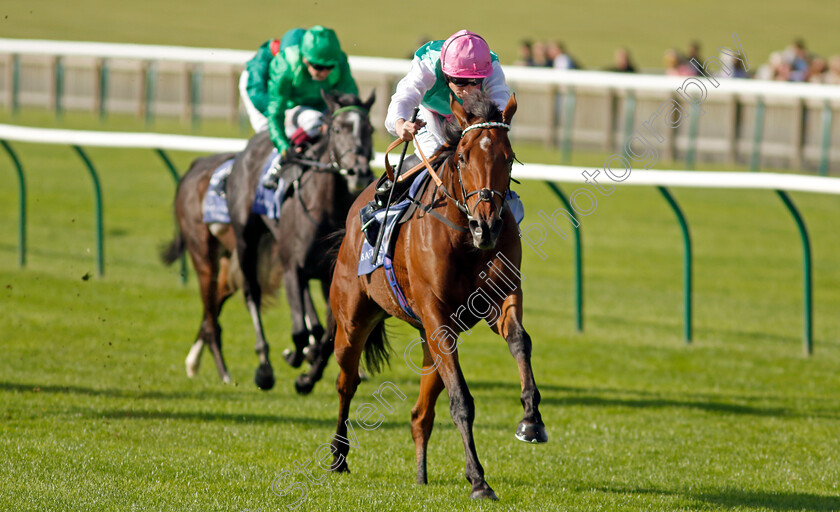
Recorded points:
591,30
98,414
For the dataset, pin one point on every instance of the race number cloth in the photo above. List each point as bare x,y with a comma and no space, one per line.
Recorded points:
215,206
266,202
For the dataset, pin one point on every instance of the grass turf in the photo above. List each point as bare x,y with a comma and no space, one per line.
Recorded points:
97,413
591,30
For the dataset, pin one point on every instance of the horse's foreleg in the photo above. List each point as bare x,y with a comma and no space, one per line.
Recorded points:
423,412
531,429
295,298
461,405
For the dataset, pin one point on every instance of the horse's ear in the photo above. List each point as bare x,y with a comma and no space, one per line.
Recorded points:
369,102
510,109
330,99
458,111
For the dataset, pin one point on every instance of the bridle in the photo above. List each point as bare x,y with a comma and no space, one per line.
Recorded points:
334,164
484,194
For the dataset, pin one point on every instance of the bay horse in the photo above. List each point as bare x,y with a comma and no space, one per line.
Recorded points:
301,244
465,244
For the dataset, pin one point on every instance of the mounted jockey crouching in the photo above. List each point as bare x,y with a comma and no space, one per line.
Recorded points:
253,82
297,76
460,65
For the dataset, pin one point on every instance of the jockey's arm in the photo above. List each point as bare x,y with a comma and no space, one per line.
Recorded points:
409,94
279,90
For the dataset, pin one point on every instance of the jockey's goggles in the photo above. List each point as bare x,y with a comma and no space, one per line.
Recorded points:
319,67
464,82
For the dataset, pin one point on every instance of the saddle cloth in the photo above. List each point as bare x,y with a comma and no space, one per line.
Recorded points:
266,201
365,267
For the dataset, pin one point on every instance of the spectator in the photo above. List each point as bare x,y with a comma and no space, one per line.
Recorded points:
558,58
817,71
540,55
622,62
832,76
799,60
676,65
694,53
526,53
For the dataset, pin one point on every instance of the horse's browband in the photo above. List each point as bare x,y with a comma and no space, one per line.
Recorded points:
348,108
489,124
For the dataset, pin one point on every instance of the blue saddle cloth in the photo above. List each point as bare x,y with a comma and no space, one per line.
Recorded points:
266,202
215,206
366,266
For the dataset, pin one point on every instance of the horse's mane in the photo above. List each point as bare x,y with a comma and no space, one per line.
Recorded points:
477,105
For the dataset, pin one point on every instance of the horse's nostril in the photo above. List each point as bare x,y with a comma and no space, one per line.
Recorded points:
475,227
351,172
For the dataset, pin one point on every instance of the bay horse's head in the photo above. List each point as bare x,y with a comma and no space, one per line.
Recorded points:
350,138
482,163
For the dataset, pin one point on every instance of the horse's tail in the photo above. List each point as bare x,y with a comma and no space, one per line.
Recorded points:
174,250
377,349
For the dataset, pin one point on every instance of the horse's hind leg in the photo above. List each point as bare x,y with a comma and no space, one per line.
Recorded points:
295,297
423,412
207,269
531,429
247,247
313,323
223,291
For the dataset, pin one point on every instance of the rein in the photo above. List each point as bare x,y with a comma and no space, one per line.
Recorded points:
484,194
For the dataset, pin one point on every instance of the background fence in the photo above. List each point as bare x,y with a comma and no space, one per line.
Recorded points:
775,124
533,233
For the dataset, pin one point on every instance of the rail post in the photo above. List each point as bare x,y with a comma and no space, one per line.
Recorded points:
808,296
578,257
168,163
22,203
100,256
687,263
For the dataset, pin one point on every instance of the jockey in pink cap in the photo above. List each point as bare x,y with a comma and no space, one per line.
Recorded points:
460,65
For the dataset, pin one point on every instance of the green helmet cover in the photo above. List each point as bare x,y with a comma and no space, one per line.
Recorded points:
320,46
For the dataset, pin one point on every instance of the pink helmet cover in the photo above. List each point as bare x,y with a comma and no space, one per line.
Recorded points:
466,55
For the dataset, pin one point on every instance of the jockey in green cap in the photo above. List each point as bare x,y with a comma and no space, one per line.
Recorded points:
297,76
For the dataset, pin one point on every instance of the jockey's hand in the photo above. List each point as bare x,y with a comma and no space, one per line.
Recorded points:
406,129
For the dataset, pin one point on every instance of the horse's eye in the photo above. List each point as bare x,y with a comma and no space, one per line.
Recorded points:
461,157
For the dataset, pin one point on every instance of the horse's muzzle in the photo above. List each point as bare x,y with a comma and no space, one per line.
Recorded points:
485,235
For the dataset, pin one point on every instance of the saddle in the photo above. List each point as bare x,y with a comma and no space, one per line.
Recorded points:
403,201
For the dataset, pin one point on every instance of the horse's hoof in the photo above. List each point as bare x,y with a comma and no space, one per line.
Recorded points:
264,378
293,358
531,432
485,493
304,385
311,354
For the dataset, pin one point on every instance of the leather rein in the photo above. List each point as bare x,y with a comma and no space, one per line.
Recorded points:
484,194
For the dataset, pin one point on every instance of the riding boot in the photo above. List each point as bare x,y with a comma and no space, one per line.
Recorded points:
383,192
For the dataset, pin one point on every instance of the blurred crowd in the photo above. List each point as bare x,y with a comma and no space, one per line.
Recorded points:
793,64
